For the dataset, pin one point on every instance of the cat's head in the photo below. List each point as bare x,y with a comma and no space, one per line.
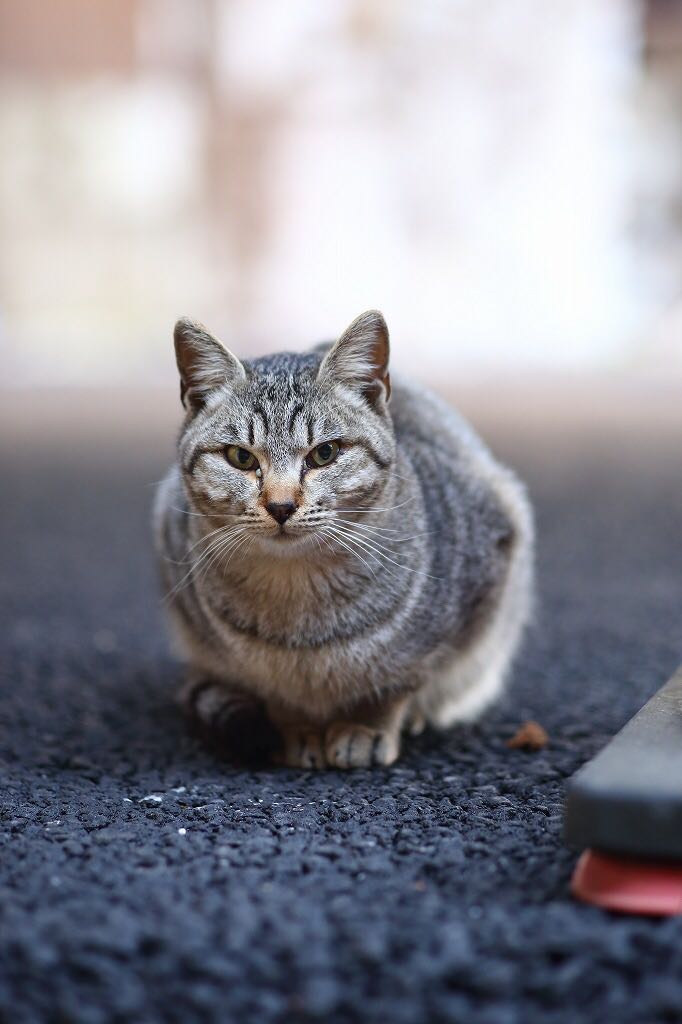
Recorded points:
286,445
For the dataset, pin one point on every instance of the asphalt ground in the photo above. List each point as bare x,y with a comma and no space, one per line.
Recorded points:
144,880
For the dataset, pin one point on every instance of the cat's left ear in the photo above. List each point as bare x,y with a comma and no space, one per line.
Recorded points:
204,363
359,358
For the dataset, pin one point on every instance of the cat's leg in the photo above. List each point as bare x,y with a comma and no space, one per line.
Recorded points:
228,719
469,679
474,677
369,736
464,691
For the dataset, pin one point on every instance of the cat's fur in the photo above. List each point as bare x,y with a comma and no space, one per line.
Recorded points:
397,591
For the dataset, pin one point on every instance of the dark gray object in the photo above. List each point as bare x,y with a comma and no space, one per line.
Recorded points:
628,799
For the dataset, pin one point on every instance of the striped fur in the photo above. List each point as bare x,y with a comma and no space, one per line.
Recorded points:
398,589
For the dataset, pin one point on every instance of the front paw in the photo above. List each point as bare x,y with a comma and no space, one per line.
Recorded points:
301,748
230,722
348,745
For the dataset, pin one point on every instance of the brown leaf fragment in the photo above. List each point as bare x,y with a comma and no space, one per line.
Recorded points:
529,736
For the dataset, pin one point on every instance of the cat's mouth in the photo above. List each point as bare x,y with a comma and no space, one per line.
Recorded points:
282,533
287,537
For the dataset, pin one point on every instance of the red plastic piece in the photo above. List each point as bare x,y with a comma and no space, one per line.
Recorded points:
628,886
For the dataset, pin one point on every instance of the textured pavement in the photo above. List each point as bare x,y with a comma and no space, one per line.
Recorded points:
141,880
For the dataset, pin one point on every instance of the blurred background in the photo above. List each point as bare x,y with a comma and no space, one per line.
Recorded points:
502,180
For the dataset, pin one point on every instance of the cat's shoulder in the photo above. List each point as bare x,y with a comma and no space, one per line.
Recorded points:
416,409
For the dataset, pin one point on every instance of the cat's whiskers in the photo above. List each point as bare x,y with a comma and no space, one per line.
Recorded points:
207,536
226,553
218,515
381,531
222,530
357,548
366,526
363,528
187,578
226,546
371,545
372,508
403,539
226,549
326,543
340,540
238,533
354,528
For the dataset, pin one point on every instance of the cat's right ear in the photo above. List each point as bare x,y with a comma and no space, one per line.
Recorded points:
359,358
203,362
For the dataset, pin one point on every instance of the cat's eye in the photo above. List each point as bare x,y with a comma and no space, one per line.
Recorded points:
323,455
240,458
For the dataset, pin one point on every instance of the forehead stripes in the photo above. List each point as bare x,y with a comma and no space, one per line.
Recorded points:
297,411
281,409
259,413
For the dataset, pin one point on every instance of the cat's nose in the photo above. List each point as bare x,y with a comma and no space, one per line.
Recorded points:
281,510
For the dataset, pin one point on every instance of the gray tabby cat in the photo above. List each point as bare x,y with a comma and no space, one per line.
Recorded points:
340,569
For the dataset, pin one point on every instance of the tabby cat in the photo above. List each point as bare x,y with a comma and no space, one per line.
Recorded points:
340,568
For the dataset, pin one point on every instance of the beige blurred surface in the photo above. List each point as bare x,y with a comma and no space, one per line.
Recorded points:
502,180
587,416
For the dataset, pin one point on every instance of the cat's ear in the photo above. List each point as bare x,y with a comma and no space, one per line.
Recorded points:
359,358
204,363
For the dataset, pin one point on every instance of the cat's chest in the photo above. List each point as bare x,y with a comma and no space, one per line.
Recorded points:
294,609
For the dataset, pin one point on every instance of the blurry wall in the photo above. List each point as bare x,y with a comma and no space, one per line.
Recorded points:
501,179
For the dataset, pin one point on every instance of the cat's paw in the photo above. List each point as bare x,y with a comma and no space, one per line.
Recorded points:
230,722
348,745
301,748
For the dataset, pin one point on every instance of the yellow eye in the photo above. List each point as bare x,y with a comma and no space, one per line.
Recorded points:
240,458
323,455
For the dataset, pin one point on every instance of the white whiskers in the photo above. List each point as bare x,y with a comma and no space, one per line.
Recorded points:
220,547
346,533
390,508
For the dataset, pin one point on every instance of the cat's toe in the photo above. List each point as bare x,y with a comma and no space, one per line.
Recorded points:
301,749
415,723
357,746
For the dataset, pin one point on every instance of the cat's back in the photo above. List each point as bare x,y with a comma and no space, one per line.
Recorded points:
458,475
420,416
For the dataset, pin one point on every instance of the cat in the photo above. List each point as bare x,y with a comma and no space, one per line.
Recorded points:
345,560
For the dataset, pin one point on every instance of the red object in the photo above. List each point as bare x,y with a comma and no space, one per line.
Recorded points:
629,886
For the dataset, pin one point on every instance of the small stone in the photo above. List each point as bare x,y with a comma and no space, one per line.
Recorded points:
105,641
530,736
72,847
